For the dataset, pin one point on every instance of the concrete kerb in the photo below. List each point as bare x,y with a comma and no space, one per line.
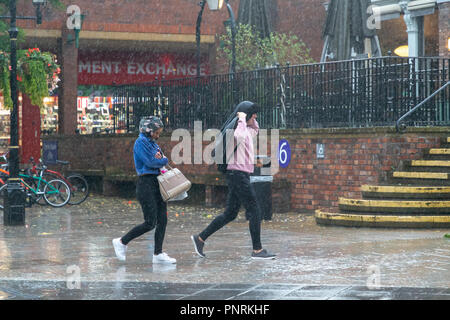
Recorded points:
382,221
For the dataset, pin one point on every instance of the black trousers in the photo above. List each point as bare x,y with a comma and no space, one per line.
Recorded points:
240,192
154,209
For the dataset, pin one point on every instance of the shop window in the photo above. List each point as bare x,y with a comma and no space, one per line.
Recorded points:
94,115
49,115
94,110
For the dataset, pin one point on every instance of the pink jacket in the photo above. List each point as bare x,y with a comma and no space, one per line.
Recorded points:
244,157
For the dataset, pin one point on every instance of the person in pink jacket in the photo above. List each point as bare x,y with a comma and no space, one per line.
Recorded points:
240,191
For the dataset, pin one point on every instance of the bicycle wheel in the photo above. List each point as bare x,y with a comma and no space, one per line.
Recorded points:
56,193
79,188
47,177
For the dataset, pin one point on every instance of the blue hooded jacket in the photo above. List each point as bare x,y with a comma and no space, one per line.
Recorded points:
144,151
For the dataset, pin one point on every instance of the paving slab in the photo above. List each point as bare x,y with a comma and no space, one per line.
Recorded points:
38,261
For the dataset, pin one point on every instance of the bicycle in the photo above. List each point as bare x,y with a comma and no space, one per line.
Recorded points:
78,185
55,192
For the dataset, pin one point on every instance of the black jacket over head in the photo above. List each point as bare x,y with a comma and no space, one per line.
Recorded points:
247,107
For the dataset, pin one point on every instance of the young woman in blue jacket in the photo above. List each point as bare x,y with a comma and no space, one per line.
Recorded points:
148,160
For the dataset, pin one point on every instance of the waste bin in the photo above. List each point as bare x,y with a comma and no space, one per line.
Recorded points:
262,184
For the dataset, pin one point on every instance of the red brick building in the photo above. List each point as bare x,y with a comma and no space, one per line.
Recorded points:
139,40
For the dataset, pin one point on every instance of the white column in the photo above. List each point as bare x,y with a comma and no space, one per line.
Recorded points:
412,28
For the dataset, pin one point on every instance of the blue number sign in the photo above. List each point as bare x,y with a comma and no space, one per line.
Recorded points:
284,153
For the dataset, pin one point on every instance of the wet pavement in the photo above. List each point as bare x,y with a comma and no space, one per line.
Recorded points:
66,253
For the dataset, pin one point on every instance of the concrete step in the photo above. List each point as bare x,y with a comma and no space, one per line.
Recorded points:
418,197
419,178
437,154
427,165
358,219
405,192
445,151
420,175
401,207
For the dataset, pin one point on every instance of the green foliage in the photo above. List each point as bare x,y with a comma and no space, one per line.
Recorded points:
4,24
255,52
4,78
289,48
36,71
4,35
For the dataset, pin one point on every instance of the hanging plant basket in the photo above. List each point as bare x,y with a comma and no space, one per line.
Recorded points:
36,72
25,68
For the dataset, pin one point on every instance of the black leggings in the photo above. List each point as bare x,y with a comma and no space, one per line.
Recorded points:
240,191
154,209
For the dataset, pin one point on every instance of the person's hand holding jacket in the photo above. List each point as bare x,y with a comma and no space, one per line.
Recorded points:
241,115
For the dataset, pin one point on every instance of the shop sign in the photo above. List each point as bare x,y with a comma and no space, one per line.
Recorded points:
122,68
50,151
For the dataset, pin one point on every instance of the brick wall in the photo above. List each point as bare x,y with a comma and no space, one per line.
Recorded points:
352,158
304,18
160,16
67,95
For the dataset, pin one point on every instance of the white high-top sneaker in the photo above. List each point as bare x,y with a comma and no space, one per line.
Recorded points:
163,258
120,249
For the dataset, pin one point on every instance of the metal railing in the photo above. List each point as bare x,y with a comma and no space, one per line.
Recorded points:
400,125
353,93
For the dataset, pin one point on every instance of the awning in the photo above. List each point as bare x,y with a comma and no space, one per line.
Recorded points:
416,8
419,8
387,12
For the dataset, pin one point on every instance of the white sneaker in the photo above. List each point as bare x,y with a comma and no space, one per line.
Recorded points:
163,258
120,249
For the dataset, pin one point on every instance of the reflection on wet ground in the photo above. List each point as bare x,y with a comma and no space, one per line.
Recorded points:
120,290
309,256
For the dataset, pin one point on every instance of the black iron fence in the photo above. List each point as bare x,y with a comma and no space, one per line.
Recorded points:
354,93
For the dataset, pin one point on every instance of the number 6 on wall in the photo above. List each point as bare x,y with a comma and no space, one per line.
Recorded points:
284,153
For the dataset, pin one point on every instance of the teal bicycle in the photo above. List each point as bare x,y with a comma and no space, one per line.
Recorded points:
55,192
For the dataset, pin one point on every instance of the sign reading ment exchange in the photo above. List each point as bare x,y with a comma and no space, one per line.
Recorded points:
109,68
